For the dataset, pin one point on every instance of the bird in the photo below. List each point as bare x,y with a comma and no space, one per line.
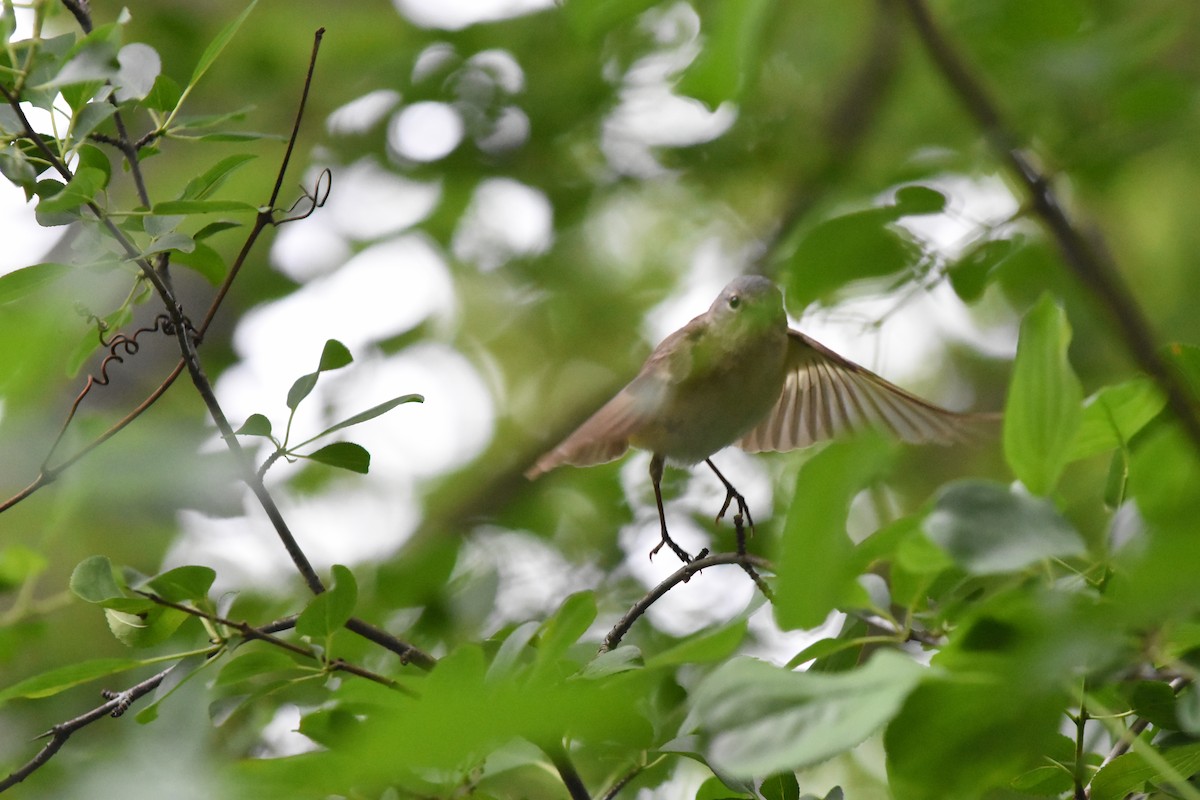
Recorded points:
738,374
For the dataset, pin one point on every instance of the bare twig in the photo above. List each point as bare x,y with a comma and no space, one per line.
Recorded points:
248,631
59,734
681,575
1087,258
566,770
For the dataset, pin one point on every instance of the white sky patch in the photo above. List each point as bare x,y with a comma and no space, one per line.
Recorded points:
369,202
505,218
456,14
425,131
383,291
362,113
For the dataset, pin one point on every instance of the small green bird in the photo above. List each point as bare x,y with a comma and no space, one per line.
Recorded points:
738,375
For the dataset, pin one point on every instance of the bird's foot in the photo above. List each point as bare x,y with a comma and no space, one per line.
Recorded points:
743,510
679,551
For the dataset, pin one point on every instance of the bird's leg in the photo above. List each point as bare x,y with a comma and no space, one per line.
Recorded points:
656,472
732,494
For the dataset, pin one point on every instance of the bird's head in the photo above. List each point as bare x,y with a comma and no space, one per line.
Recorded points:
748,306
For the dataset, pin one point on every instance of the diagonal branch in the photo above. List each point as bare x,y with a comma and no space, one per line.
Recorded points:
1087,258
681,575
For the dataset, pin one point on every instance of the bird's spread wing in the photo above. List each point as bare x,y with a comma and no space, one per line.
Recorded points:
605,434
825,395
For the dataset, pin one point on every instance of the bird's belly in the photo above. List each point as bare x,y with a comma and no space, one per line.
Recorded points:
703,415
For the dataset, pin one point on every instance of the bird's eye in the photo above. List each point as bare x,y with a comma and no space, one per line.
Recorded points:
735,301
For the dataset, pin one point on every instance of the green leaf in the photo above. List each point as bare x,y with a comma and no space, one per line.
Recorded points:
702,647
89,117
757,719
1113,415
201,187
988,528
1044,410
18,564
60,679
204,260
334,355
374,411
22,282
780,786
1129,772
969,275
255,425
171,241
163,96
94,580
80,190
139,69
563,629
178,675
204,207
623,659
144,629
343,455
94,62
301,389
916,200
183,583
217,45
252,664
847,248
328,612
213,228
730,57
816,565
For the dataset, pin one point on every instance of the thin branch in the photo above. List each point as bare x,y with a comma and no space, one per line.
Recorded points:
248,631
621,783
1088,259
566,770
62,731
681,575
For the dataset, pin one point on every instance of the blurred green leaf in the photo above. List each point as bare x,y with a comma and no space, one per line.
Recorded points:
139,69
988,528
730,57
60,679
1130,772
19,283
218,44
815,564
1043,411
759,719
328,612
847,248
19,563
1113,415
204,260
563,629
702,647
169,207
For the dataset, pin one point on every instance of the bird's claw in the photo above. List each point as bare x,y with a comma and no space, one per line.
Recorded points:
743,510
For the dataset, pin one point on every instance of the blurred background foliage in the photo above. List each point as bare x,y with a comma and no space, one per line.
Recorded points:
524,206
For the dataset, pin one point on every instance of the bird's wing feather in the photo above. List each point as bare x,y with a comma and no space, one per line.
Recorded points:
604,436
825,395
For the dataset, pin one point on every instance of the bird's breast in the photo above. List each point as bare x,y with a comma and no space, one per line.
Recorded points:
716,403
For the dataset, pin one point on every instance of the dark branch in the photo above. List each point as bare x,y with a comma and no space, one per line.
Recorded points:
1084,255
61,732
681,575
